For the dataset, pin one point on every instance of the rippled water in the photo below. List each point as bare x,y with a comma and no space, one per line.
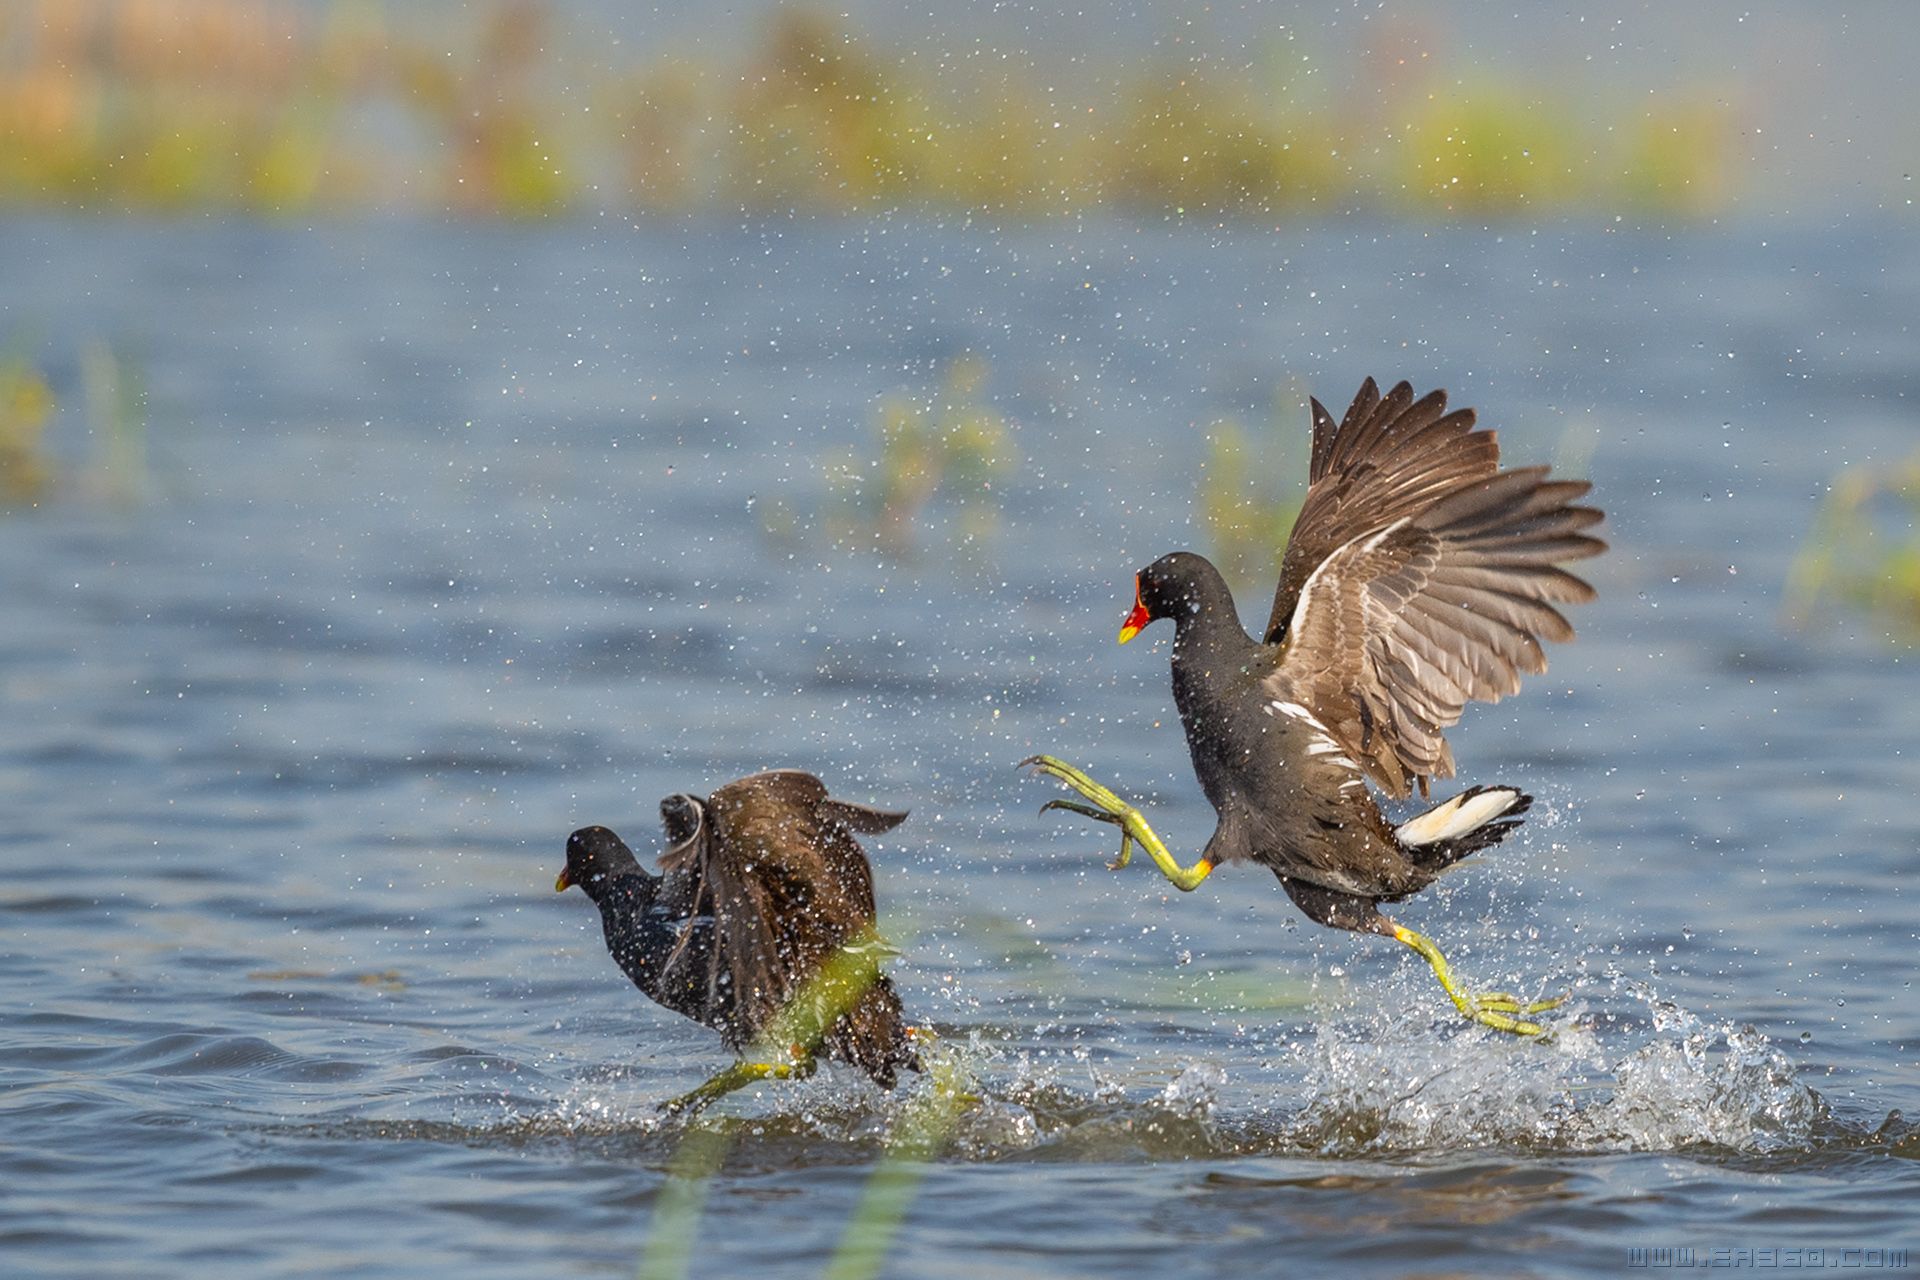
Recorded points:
452,540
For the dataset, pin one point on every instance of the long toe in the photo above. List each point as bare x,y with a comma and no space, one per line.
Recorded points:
1054,767
1507,1002
1085,811
690,1103
1502,1021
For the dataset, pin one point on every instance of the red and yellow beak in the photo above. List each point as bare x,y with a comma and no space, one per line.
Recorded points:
562,882
1138,618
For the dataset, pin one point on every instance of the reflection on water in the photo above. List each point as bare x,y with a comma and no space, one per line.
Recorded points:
453,544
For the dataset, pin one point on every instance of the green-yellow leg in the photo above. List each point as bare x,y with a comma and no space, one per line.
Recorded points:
1110,808
940,1066
737,1076
1496,1009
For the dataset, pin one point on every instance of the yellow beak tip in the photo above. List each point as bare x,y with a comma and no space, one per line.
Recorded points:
1128,633
561,884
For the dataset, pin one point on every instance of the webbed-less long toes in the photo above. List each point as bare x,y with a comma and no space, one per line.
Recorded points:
1110,808
1080,781
729,1079
1497,1009
1507,1002
1100,815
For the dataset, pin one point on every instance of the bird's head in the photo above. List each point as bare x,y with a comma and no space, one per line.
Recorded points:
594,856
683,818
1171,587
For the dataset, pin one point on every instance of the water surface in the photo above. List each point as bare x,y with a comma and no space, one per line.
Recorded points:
453,539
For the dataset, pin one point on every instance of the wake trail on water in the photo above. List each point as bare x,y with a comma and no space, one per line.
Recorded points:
1649,1077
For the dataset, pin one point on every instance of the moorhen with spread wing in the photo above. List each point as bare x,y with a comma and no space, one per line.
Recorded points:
1418,577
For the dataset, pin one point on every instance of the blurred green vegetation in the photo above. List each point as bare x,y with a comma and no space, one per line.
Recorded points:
917,1134
1863,551
26,403
278,107
116,404
112,410
940,452
1250,490
1481,149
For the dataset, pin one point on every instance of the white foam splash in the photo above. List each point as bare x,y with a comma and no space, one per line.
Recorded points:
1690,1083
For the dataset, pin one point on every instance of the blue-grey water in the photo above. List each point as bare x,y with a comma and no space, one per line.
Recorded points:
450,539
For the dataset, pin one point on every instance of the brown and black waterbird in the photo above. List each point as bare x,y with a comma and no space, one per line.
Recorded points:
761,926
1418,577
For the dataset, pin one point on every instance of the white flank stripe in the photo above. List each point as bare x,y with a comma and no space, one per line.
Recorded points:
1298,712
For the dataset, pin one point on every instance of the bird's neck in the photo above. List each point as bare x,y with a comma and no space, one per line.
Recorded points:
1208,629
638,936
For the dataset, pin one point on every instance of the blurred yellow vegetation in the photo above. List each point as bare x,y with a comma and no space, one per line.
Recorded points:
274,106
942,451
113,412
26,403
1250,490
952,446
821,122
1863,551
1194,144
1487,148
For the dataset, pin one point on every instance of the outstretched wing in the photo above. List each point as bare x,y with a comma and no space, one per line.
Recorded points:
790,886
1390,457
1442,602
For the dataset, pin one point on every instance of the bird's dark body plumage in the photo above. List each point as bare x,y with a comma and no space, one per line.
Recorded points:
651,930
763,883
1279,802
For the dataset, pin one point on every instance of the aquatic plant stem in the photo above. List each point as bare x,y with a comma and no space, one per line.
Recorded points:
737,1076
676,1213
794,1033
919,1135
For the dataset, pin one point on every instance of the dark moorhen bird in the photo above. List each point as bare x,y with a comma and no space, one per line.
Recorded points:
762,926
1419,576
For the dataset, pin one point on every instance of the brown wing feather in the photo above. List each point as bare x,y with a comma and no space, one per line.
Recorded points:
1391,456
1393,631
789,887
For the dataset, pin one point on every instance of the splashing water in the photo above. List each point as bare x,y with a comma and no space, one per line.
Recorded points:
1691,1083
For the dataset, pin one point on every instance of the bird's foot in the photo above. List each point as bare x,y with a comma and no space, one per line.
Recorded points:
1506,1002
1100,815
1500,1010
737,1076
1110,808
